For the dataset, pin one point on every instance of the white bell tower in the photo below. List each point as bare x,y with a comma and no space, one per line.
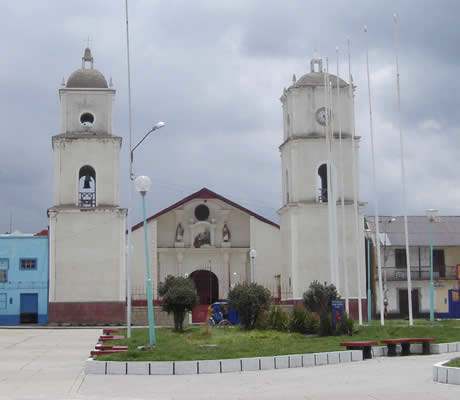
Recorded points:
87,226
305,218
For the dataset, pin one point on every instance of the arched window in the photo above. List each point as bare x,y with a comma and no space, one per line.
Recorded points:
87,187
322,183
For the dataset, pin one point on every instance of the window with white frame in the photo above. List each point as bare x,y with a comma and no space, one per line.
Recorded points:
4,262
28,263
2,301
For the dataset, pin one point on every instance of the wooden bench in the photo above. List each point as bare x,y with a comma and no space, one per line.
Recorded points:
364,346
405,345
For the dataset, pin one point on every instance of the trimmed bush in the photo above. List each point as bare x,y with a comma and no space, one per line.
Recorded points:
179,296
318,298
249,299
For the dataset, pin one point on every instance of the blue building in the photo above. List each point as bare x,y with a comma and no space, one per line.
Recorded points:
24,278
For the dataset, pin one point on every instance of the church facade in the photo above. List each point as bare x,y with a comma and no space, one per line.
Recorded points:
205,236
208,238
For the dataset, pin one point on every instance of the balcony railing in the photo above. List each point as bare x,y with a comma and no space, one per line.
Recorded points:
420,273
87,199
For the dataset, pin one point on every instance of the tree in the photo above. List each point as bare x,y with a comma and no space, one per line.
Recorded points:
249,299
318,298
179,296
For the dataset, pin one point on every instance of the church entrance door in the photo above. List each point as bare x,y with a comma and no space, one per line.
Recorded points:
207,286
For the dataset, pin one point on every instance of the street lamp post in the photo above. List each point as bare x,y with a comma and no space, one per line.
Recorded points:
252,255
143,184
158,125
432,216
369,238
385,257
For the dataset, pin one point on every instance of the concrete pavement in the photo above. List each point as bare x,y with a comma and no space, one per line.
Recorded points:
48,364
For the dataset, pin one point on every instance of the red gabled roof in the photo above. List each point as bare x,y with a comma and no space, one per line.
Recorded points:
44,232
207,194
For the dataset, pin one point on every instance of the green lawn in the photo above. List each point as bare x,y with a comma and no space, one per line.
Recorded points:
237,343
453,363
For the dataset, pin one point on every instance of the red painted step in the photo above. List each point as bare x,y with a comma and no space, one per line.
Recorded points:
102,352
109,331
106,338
102,347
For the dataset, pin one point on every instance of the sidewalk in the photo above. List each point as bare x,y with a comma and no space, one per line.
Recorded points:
48,364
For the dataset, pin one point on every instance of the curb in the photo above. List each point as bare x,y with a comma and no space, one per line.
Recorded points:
443,374
220,366
94,367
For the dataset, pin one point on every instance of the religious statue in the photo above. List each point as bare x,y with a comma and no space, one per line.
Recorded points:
203,238
226,233
179,233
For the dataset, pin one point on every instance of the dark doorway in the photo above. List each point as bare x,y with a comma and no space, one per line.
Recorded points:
207,286
29,308
439,262
404,303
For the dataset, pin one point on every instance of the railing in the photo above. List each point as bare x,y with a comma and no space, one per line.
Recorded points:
322,197
87,199
420,273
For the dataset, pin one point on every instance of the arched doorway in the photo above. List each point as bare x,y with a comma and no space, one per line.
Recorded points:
207,286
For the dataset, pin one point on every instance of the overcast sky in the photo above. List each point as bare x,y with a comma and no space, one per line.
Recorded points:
214,72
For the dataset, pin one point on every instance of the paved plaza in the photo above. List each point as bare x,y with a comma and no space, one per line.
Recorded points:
48,364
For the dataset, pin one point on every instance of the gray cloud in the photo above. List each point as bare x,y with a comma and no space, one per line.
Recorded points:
215,73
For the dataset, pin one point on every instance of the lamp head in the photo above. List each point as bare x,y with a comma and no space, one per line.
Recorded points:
432,214
142,184
158,125
252,253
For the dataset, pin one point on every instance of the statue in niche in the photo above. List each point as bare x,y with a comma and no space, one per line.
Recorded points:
202,239
179,233
226,235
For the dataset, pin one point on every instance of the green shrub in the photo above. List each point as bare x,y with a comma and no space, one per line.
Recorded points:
348,324
325,325
278,319
179,296
303,321
249,299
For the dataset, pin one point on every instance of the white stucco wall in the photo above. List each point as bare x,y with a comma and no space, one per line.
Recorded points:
75,102
87,255
266,240
71,154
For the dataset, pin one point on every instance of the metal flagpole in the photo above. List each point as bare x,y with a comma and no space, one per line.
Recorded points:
376,206
328,175
333,196
403,176
130,188
355,186
342,189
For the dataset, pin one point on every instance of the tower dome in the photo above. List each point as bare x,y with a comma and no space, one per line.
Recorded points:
87,77
316,78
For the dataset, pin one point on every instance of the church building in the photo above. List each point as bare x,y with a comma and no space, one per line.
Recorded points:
205,236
